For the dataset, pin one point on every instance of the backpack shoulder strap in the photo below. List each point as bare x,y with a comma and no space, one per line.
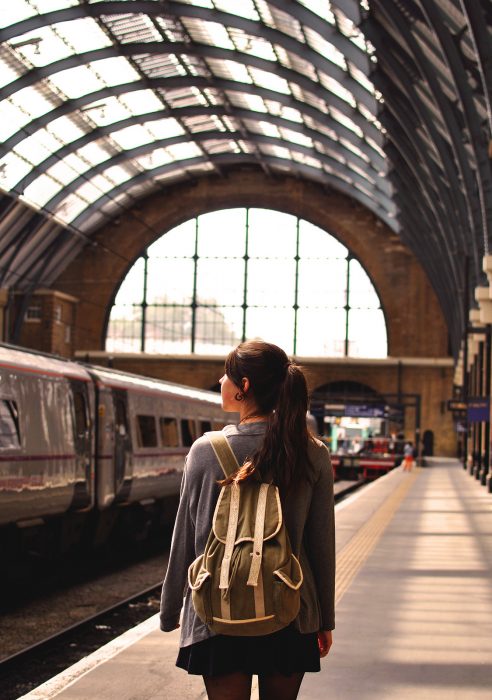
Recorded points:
223,451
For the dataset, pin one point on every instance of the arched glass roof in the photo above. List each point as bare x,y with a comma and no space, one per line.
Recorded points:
103,102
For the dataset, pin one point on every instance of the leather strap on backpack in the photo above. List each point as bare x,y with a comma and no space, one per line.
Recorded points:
223,452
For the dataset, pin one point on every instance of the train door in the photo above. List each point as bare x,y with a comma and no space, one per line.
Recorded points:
82,443
122,439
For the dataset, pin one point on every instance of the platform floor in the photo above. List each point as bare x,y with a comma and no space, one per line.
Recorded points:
414,605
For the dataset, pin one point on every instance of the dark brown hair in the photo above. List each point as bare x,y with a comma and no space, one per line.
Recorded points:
279,390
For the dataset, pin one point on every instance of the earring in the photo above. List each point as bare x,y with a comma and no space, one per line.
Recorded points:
239,396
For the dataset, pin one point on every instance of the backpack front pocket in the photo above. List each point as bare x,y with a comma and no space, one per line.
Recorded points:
199,580
286,590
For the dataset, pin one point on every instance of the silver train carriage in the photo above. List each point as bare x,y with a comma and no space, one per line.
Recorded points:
76,438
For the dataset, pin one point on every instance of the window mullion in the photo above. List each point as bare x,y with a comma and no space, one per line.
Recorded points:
193,302
144,303
245,292
296,288
347,307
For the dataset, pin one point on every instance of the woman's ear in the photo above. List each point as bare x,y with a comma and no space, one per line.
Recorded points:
245,385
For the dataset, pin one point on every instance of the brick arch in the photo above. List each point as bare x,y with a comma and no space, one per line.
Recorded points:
415,323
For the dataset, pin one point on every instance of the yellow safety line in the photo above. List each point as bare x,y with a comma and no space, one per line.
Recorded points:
356,552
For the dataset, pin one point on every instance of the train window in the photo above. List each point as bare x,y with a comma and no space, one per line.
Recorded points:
205,426
80,413
147,433
169,432
188,431
120,411
9,425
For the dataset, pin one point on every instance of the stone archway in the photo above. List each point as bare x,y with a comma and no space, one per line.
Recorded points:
415,324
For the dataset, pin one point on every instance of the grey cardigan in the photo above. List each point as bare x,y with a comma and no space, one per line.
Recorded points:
309,518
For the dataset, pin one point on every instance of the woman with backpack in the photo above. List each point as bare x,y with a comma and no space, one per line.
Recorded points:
276,455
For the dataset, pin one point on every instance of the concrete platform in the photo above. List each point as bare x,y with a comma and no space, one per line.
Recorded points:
414,605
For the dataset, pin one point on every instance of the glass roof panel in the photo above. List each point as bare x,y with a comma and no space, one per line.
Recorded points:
64,128
132,136
229,70
32,101
361,78
66,39
38,146
337,89
117,174
164,128
180,151
252,45
346,121
13,167
269,80
296,137
248,101
41,190
95,152
245,8
227,146
211,33
276,151
154,159
321,8
13,12
9,69
13,119
261,127
45,45
71,207
324,48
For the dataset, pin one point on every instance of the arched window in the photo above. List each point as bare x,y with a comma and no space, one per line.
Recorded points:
238,274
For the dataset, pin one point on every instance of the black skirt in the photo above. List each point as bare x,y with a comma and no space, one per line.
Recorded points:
285,652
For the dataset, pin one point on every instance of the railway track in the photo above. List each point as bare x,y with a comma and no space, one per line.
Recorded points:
26,669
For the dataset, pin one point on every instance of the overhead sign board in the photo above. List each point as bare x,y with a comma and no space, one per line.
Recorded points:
478,410
455,405
365,410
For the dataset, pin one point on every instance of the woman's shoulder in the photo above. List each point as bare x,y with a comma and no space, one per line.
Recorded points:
318,447
201,455
319,455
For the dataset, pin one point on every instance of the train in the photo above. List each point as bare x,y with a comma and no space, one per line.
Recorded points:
83,448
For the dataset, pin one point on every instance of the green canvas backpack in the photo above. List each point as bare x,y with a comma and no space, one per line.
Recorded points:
247,581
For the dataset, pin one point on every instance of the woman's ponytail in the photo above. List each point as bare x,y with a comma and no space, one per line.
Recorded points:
279,390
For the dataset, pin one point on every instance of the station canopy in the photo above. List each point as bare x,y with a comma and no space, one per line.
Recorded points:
105,102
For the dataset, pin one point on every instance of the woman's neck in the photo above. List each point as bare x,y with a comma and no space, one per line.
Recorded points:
247,417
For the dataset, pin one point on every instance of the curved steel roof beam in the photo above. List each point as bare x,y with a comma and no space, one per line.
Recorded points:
37,237
238,159
172,83
153,9
35,75
464,215
449,118
435,19
11,230
147,148
477,25
240,114
6,205
434,204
